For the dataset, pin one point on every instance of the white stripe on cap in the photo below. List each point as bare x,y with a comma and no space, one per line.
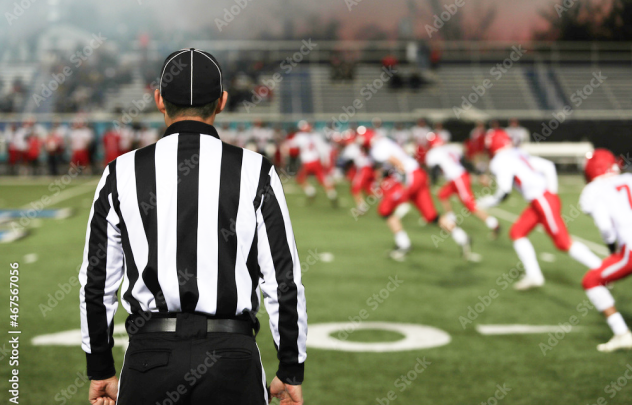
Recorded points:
191,77
165,68
221,85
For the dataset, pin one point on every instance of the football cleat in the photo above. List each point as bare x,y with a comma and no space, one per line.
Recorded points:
527,283
399,255
618,342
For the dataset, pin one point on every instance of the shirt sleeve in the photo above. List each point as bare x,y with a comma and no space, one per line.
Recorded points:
100,277
283,291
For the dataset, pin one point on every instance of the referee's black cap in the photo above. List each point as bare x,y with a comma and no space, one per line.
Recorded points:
191,77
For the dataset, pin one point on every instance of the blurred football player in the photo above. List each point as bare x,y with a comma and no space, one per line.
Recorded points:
312,152
448,159
536,180
407,182
607,198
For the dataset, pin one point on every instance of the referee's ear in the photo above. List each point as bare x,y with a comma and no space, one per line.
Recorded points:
222,102
159,102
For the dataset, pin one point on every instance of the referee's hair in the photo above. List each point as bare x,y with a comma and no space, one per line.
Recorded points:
203,111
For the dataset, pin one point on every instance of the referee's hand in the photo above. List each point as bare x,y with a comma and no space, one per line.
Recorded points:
288,394
103,392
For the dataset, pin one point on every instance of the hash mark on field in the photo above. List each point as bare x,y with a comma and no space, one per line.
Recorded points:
509,217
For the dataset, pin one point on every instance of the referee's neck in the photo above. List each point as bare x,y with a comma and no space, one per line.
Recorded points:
170,121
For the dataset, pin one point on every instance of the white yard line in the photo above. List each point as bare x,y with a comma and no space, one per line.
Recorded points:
519,329
69,193
509,217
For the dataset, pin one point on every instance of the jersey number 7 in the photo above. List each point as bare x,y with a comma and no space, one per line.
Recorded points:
627,189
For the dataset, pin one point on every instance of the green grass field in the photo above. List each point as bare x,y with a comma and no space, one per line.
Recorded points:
437,289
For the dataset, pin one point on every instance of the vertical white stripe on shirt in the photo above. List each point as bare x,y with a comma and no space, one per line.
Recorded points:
130,211
167,206
246,218
114,263
208,202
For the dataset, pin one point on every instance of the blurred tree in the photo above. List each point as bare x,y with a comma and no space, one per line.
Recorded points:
588,21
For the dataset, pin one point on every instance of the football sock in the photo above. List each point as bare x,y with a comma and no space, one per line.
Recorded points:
617,324
491,222
585,256
459,236
332,194
402,240
527,256
310,191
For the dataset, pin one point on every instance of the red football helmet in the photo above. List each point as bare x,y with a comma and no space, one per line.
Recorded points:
601,161
434,140
497,139
365,136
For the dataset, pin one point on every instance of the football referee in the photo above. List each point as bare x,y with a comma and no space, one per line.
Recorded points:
195,229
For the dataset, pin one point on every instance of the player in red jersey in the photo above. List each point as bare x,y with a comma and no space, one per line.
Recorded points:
408,183
536,180
111,142
607,198
448,159
361,173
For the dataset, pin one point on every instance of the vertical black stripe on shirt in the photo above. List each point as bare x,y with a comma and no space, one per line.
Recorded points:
264,182
96,272
130,264
255,271
284,270
145,170
186,249
229,191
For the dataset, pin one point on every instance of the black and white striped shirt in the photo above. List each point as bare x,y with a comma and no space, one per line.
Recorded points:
192,224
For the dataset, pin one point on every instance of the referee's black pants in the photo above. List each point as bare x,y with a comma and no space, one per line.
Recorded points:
192,367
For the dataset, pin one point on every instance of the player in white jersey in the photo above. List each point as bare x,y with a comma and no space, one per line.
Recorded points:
313,151
511,167
413,188
448,159
607,198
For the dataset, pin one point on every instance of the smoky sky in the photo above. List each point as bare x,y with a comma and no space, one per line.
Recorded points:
261,19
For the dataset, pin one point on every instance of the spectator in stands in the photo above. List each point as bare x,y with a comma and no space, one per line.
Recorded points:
442,132
54,145
518,134
80,138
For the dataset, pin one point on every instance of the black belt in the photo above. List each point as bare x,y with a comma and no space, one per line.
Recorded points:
166,325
